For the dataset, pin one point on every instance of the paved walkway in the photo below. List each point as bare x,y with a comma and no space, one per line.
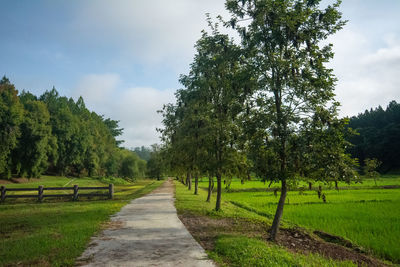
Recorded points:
146,232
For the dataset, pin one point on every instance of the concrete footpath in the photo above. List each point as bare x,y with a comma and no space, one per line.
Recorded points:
146,232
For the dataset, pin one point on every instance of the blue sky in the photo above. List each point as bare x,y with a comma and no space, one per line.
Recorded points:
125,57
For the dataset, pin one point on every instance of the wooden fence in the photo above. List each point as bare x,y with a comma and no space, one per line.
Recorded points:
40,192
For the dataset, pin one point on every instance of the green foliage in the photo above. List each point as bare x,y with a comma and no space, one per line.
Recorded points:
55,134
266,105
370,167
155,165
131,165
113,127
378,130
11,112
200,131
34,145
244,251
143,152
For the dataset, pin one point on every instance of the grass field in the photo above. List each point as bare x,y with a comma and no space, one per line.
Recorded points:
384,180
369,218
236,250
57,231
365,214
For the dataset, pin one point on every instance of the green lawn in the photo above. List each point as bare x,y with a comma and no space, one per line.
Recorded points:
56,232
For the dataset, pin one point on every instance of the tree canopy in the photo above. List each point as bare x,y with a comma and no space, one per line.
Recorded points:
265,105
379,131
57,135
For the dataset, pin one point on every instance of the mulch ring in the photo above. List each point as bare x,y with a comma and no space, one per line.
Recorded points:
206,230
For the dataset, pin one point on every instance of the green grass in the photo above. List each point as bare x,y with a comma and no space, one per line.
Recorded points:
242,251
186,201
56,182
368,216
56,233
367,183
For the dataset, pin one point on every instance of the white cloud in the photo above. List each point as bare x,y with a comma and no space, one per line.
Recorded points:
135,108
97,88
151,31
368,76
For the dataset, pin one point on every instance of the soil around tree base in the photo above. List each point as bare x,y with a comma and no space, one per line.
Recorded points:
206,231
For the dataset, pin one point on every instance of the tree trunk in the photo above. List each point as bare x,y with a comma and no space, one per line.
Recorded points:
336,185
309,186
190,181
219,192
210,188
279,211
196,184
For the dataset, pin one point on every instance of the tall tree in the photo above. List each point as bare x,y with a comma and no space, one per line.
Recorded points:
378,136
36,142
155,165
11,111
218,77
295,88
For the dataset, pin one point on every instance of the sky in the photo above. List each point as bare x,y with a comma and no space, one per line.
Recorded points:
125,56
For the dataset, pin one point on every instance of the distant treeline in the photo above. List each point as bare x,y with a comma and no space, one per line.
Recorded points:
54,134
144,152
379,136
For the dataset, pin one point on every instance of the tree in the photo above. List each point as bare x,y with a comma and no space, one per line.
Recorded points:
370,167
155,165
143,152
295,93
11,112
219,80
114,129
378,136
34,145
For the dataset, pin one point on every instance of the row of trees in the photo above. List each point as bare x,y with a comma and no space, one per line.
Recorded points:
379,132
54,134
265,105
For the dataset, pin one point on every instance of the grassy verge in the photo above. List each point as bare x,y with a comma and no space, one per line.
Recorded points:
235,242
56,232
368,218
244,251
365,214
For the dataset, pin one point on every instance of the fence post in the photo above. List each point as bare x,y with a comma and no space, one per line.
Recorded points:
40,193
110,191
75,198
3,193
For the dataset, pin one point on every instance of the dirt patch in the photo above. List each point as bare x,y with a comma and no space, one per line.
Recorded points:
36,262
2,181
113,225
298,240
18,180
206,230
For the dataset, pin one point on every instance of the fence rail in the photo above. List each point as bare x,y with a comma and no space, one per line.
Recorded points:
40,192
